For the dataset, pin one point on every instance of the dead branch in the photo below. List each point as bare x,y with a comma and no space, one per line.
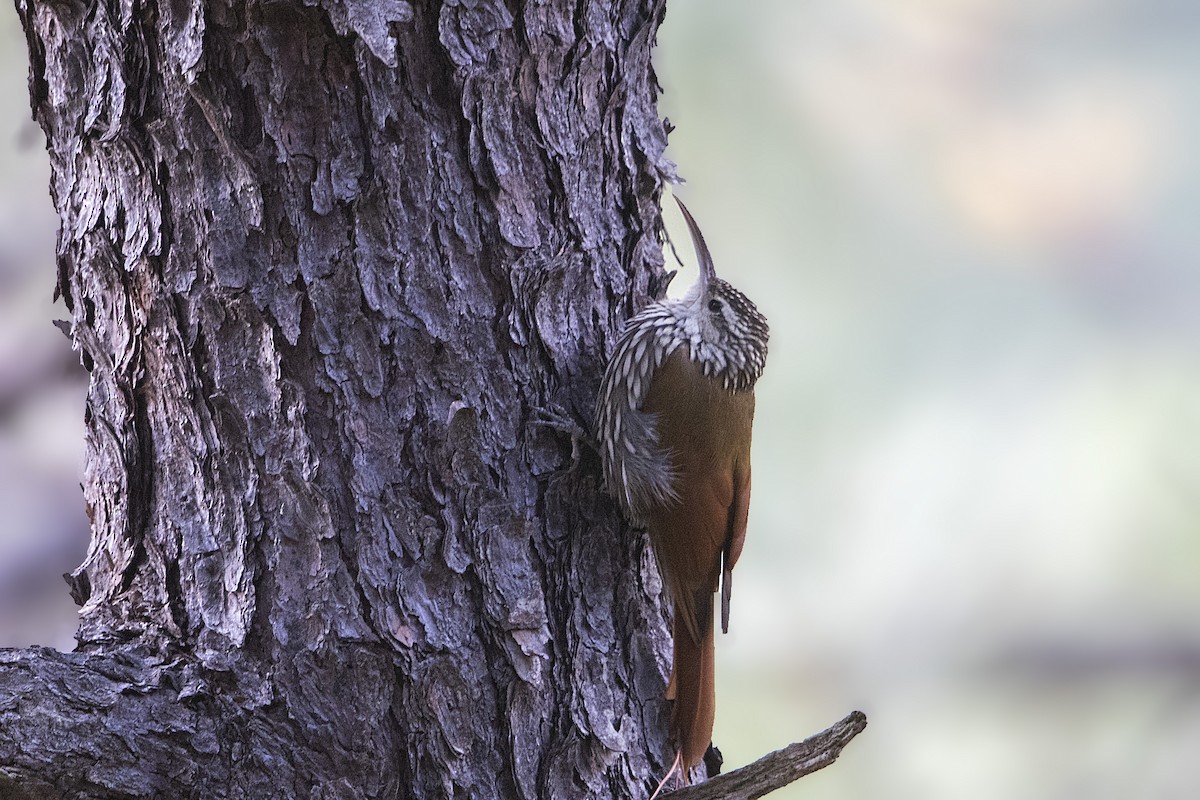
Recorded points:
778,769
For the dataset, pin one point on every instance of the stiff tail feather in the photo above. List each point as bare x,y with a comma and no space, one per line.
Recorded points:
693,685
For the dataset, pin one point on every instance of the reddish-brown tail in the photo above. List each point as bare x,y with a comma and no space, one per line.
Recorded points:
693,687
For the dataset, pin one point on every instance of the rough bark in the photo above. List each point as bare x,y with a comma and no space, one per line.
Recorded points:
329,263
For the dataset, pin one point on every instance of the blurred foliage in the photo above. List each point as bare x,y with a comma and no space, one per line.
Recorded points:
43,531
971,226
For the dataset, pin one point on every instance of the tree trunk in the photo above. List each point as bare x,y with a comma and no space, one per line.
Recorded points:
332,264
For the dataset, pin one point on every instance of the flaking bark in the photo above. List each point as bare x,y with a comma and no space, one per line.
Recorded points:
329,264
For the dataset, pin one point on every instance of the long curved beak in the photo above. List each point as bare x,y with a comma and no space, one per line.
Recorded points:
707,271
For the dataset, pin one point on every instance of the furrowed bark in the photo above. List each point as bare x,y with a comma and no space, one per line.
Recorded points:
328,264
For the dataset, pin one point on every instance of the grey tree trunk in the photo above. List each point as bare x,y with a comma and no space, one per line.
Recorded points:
332,264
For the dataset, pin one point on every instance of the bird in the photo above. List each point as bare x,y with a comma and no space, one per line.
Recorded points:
674,419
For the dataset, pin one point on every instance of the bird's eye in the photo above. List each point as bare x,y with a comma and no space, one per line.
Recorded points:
714,305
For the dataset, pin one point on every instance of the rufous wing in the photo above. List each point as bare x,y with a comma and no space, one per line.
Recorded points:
736,536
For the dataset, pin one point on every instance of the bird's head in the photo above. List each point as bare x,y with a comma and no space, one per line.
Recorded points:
726,331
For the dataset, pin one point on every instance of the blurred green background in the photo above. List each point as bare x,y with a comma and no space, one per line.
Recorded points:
972,224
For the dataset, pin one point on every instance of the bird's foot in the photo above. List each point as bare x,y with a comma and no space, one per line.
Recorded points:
677,771
558,419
